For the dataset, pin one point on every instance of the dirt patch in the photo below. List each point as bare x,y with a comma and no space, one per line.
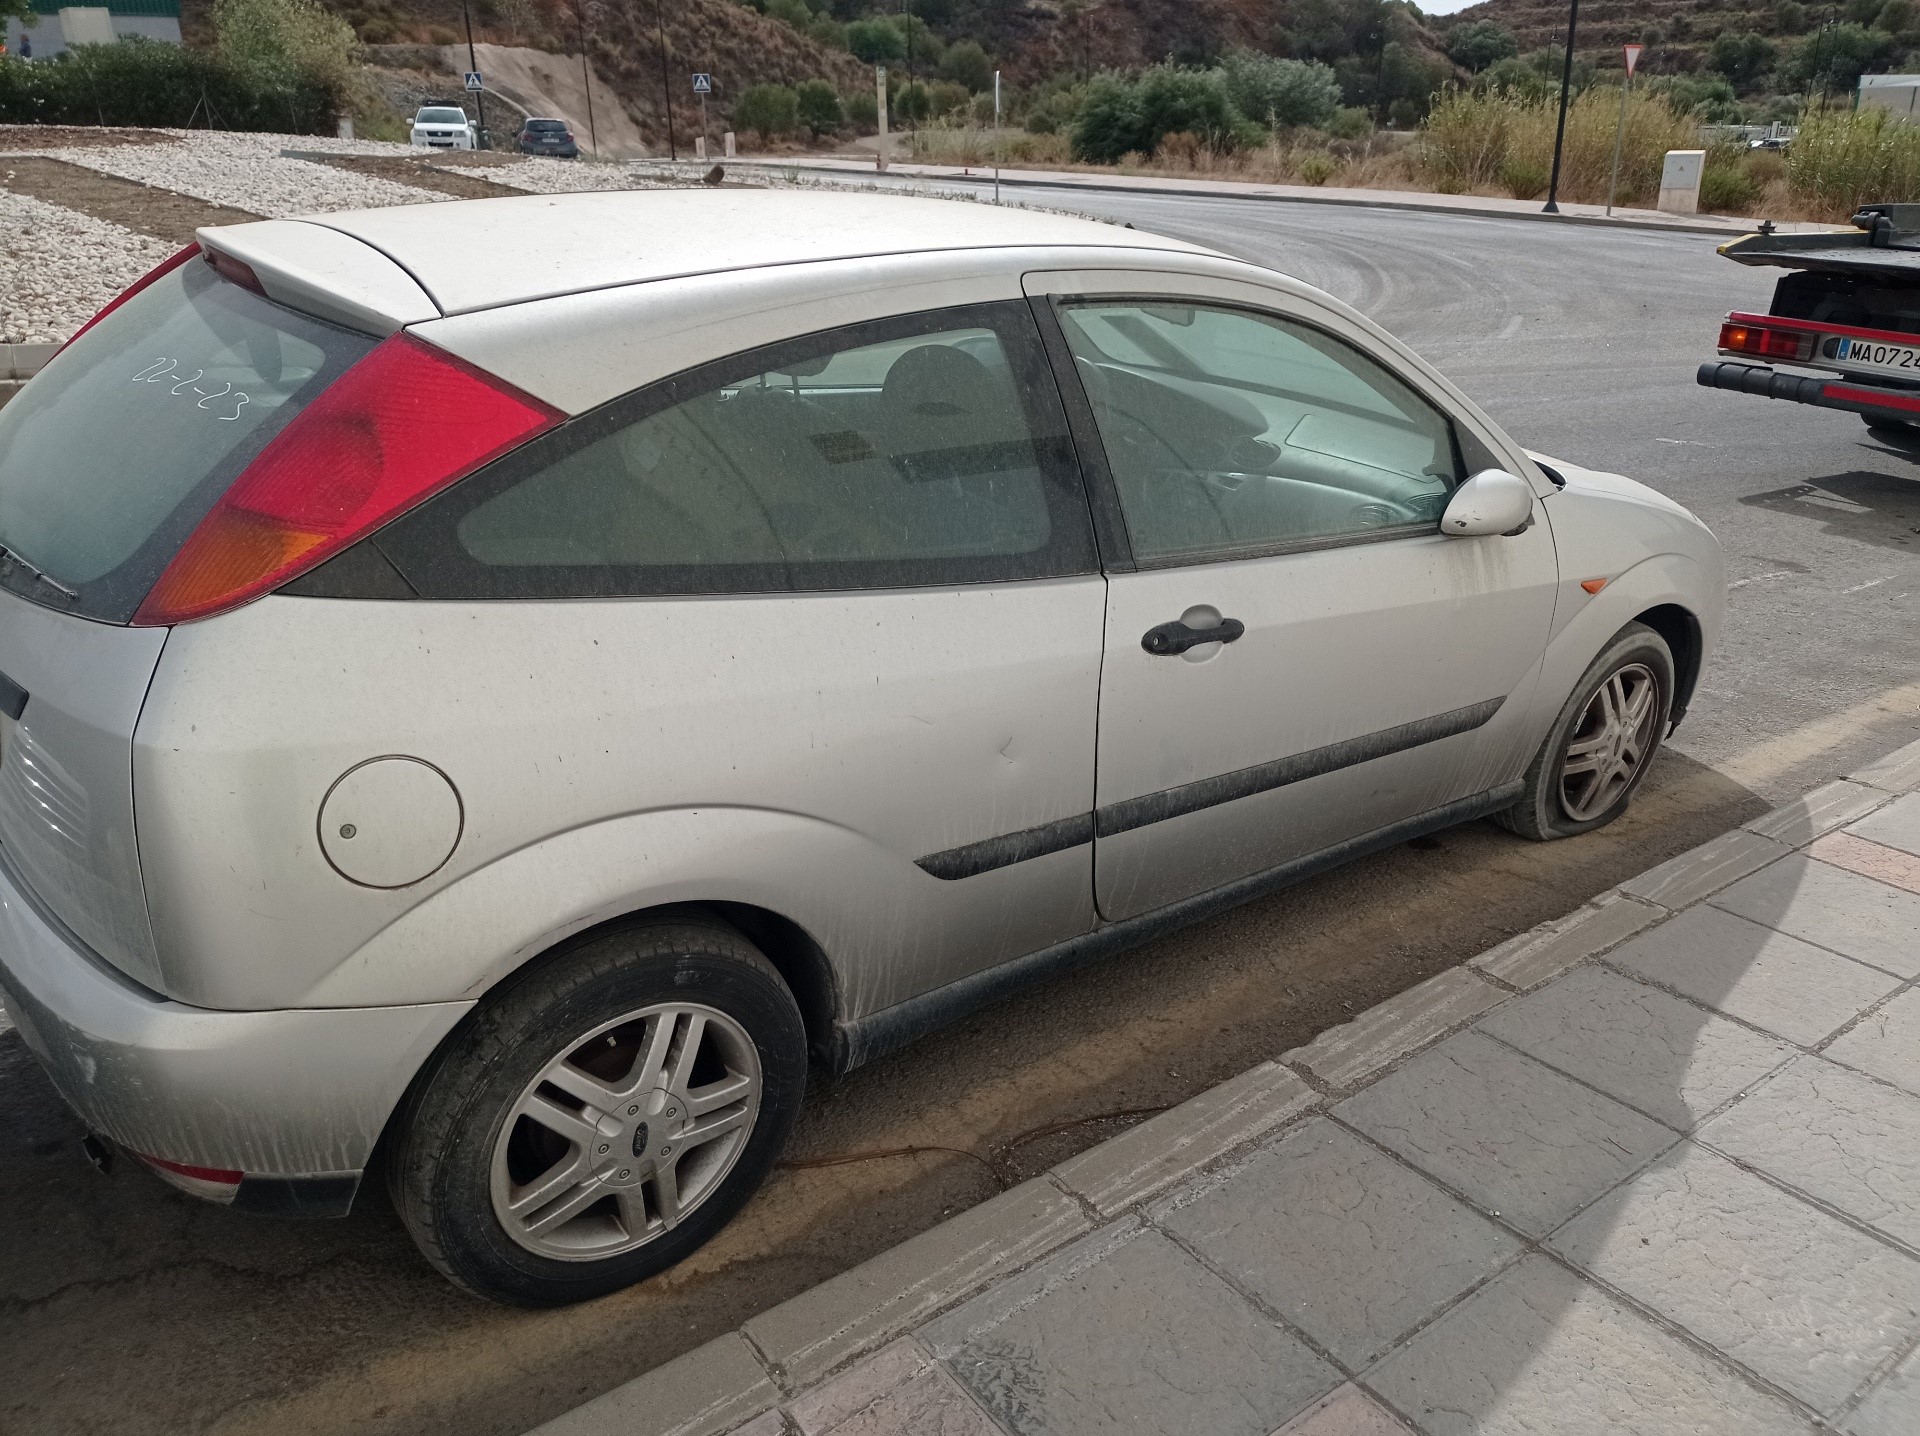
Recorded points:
420,174
66,137
159,212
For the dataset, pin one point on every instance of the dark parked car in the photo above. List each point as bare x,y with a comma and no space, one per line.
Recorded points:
548,137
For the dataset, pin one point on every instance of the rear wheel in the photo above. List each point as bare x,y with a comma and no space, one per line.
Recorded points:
1603,742
602,1117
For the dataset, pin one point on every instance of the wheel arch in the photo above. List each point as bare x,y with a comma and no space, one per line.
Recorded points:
1681,628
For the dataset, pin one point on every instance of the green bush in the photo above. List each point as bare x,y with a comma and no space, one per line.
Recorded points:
1523,178
967,64
878,42
1122,115
1269,91
1480,43
1350,122
1843,159
1317,167
911,103
768,109
817,107
944,97
1742,56
863,111
1042,122
145,82
793,12
1727,189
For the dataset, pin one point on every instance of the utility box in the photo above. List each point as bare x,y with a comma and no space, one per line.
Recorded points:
87,25
1680,181
726,141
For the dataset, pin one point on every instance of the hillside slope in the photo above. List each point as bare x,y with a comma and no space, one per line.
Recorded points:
1677,33
739,47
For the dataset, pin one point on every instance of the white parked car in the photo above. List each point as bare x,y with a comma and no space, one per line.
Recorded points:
444,127
507,683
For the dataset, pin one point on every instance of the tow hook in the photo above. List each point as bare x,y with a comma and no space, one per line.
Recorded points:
99,1152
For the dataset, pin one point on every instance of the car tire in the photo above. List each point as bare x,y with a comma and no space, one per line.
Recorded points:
1893,431
497,1139
1558,803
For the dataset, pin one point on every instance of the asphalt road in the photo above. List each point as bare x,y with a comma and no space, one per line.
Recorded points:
125,1305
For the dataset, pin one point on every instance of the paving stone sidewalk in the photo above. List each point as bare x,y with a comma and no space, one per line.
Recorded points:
1654,1167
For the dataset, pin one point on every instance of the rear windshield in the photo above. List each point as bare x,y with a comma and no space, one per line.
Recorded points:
441,117
547,127
121,445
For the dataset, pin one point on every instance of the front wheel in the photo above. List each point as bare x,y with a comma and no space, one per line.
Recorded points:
1603,742
601,1117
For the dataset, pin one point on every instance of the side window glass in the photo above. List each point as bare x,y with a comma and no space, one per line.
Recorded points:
1231,431
923,451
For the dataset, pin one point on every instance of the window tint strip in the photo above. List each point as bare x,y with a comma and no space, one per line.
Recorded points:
1009,848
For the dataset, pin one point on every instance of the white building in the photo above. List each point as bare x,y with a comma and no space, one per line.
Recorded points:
59,24
1899,93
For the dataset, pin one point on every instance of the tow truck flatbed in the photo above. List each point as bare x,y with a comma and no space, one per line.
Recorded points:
1849,310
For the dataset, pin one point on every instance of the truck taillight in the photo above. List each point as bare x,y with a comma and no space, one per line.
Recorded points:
396,428
1764,342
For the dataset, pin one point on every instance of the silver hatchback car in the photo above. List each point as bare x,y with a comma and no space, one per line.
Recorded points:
501,686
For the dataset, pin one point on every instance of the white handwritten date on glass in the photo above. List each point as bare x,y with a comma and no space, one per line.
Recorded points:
167,371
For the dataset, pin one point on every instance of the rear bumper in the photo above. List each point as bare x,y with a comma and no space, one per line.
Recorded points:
294,1100
1826,392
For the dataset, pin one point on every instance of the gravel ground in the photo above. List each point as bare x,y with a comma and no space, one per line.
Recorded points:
238,170
57,267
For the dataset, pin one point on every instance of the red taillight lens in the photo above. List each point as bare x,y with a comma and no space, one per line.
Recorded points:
396,428
139,284
1768,343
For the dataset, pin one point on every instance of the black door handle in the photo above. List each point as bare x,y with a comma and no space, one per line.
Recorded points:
1170,638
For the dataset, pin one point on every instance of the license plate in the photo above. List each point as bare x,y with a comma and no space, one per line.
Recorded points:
1872,354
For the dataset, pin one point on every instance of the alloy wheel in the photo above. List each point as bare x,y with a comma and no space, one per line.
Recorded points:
625,1133
1611,743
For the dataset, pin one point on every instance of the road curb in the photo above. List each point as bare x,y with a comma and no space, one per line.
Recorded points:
781,1352
1389,198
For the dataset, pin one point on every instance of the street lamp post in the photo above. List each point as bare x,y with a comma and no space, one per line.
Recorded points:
1560,130
666,88
479,96
586,78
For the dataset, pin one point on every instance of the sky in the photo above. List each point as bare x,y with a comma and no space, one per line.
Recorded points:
1443,7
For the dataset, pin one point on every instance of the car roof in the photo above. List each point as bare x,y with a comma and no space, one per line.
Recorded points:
479,254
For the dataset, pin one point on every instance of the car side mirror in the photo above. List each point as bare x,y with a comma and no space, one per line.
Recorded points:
1493,501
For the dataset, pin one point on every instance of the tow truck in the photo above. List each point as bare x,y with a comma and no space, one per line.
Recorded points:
1849,310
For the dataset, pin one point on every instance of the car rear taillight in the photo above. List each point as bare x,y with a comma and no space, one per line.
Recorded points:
139,284
1766,342
396,428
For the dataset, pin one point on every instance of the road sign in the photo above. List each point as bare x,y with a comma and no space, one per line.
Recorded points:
473,81
703,84
1633,57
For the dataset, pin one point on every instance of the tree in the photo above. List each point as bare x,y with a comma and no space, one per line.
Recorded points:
1120,115
1280,92
817,107
1833,58
21,10
878,42
1742,56
1479,44
768,109
967,64
286,41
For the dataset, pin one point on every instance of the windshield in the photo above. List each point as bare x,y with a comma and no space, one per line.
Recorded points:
116,450
441,117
